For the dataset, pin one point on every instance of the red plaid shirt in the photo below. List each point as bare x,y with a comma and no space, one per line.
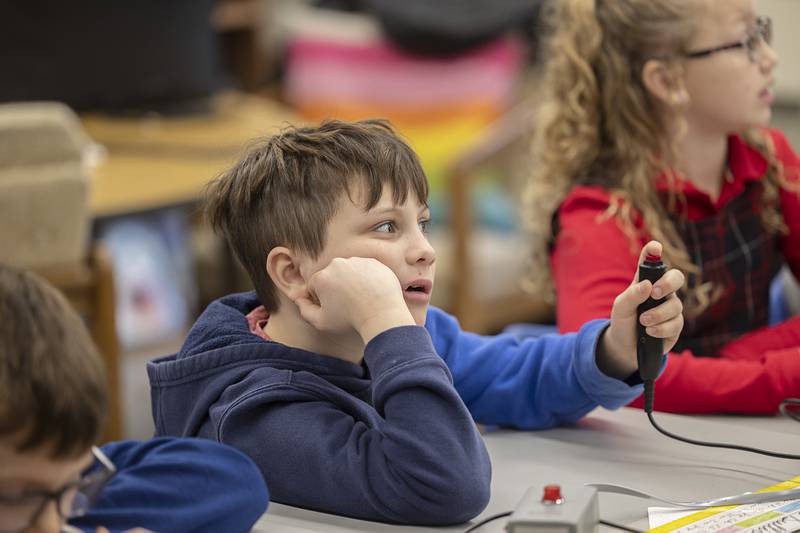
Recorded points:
748,368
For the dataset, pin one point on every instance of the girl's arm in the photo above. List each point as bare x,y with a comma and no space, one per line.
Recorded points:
790,201
592,260
706,385
590,263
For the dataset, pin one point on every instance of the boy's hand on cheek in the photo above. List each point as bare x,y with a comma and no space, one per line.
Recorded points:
616,357
356,292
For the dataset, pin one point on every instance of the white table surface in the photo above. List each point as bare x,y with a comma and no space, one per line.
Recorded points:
610,447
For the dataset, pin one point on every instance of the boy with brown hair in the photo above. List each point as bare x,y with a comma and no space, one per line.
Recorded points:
53,400
325,374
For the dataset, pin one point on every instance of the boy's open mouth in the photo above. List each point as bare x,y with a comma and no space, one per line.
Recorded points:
421,286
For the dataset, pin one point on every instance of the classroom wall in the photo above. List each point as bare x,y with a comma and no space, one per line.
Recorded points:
786,20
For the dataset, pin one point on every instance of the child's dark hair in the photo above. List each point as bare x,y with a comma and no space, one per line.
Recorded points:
286,188
53,393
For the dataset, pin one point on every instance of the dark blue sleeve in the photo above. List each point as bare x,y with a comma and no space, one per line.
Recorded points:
409,454
178,485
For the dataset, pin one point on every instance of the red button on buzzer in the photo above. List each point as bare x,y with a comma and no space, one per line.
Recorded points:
552,494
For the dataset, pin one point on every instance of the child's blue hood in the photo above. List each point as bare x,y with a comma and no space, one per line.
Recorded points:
221,350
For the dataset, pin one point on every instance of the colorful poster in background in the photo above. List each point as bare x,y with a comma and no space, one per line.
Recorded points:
441,105
154,283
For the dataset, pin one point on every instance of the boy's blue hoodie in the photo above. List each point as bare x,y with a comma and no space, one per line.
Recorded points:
389,440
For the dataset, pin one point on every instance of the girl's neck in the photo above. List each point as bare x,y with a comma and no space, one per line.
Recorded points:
288,327
704,161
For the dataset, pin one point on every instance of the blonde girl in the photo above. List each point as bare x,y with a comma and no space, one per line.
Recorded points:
652,124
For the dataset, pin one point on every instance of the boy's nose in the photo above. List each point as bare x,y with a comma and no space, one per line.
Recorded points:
421,251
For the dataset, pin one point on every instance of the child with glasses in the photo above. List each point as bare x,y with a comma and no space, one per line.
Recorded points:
52,404
350,392
652,124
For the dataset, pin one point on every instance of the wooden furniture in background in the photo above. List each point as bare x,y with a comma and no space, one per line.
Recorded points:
504,146
154,162
89,287
44,221
240,24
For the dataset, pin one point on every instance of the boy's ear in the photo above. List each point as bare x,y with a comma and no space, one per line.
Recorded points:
664,83
283,268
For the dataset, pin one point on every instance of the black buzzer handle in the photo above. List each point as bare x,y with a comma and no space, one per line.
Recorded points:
649,350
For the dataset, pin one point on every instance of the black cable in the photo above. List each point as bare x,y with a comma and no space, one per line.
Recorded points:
794,414
648,401
619,526
485,521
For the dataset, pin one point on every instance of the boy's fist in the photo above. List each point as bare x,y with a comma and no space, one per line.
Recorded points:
355,292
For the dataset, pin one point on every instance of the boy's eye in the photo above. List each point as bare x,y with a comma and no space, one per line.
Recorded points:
386,227
423,225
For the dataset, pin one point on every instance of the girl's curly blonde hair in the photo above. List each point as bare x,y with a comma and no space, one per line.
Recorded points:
597,124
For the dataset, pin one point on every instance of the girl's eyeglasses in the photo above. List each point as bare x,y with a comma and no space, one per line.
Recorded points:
72,500
761,33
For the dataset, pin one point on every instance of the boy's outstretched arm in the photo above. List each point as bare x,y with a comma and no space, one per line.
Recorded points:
616,354
556,379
